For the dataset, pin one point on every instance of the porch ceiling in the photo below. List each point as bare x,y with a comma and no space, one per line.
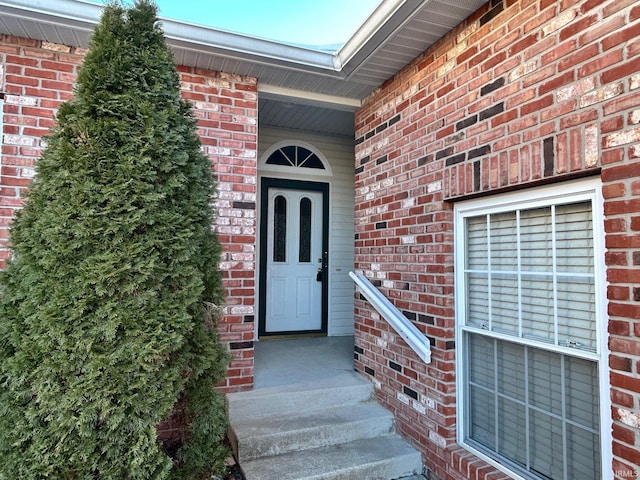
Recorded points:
300,88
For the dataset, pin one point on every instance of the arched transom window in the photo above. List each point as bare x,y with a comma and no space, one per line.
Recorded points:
295,156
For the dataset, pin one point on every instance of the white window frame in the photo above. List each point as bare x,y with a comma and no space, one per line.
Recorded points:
568,192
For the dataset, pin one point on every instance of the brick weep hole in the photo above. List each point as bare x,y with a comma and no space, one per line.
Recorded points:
522,93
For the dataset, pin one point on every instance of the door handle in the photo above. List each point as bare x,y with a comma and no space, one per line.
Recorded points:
319,275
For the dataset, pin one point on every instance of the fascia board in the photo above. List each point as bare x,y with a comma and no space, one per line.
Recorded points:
390,15
368,29
75,14
238,46
385,21
83,15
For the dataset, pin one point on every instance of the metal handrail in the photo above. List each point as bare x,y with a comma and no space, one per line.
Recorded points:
401,324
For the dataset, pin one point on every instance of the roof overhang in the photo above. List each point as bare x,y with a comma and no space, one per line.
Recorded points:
333,82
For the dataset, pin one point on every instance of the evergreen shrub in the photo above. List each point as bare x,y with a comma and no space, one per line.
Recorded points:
102,327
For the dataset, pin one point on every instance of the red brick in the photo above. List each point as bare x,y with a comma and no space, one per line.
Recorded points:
611,58
37,112
21,80
493,61
556,82
39,73
523,44
503,118
622,103
581,118
623,434
621,172
579,56
617,6
626,453
620,36
614,190
614,124
625,382
479,58
576,27
624,310
601,30
466,55
537,105
623,364
623,399
619,72
616,225
58,66
40,93
45,104
589,5
20,60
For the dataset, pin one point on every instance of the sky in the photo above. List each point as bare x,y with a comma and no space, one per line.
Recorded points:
320,23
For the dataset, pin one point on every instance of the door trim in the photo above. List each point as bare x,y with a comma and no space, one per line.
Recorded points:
323,188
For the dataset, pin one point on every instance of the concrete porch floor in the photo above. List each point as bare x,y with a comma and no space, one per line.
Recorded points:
292,361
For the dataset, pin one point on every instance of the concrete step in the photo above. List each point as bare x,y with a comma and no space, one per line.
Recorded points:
276,435
325,429
348,388
382,457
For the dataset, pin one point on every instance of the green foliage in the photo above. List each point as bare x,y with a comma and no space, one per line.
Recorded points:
206,414
101,307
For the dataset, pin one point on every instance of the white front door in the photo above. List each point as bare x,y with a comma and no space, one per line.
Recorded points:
294,261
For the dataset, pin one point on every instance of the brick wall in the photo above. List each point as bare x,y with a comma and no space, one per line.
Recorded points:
38,76
226,107
524,92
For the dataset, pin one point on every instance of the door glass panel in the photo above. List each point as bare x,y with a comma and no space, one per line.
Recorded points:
280,229
304,255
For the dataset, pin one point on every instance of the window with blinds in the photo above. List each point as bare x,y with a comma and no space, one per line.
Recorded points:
528,333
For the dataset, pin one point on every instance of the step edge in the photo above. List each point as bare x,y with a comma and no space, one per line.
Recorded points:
376,411
405,459
359,430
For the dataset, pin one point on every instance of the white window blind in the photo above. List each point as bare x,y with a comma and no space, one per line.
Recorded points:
527,321
530,274
538,409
